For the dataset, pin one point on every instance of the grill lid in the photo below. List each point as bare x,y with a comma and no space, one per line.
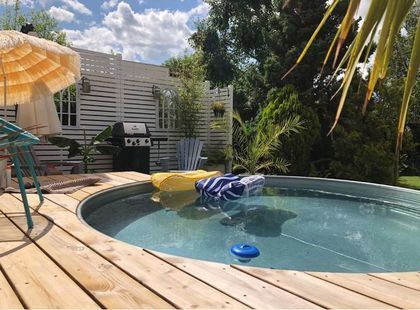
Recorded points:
126,129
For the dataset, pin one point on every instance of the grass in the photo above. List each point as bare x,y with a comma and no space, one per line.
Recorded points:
409,182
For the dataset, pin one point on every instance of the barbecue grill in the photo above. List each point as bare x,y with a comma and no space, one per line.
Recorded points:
134,139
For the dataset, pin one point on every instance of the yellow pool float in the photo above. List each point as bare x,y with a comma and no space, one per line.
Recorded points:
180,181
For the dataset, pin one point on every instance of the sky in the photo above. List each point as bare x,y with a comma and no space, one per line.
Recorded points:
148,31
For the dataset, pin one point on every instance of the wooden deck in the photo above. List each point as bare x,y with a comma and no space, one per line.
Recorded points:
62,263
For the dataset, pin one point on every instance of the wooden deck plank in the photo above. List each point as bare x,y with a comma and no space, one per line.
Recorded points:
64,201
182,289
79,195
407,279
186,283
111,176
132,175
252,291
8,298
318,291
114,180
110,286
375,288
39,282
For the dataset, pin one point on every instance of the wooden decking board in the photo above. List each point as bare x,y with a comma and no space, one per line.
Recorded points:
65,244
65,201
79,195
241,286
314,289
374,288
406,279
135,176
183,290
8,297
114,180
111,287
37,280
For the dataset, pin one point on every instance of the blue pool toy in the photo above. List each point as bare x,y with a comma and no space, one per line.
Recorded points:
244,252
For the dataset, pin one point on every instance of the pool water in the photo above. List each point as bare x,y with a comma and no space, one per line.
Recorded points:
293,229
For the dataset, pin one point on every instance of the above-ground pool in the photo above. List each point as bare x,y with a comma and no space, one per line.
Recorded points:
297,223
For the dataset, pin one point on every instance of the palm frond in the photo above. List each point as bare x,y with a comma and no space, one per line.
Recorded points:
409,85
314,35
257,151
391,14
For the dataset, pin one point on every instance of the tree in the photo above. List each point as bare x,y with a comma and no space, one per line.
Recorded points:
264,35
251,44
45,26
284,104
383,19
190,73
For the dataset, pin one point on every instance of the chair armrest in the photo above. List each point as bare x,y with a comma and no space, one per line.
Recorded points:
202,161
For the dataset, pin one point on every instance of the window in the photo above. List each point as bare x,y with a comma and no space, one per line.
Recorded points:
66,104
167,109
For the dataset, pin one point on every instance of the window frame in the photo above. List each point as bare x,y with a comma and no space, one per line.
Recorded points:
161,121
69,113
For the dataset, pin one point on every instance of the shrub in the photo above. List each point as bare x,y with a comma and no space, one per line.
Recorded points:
283,104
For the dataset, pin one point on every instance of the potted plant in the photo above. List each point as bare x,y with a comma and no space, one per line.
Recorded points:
216,161
228,154
218,108
190,89
220,159
87,150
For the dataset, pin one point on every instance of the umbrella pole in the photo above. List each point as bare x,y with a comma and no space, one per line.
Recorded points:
4,88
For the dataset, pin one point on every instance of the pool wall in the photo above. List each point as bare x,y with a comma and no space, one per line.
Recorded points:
386,193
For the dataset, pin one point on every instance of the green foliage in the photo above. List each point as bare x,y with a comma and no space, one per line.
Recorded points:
363,146
284,104
256,150
253,43
409,182
45,26
190,73
87,150
391,91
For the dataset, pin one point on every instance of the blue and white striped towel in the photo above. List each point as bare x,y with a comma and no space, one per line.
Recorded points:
211,187
247,186
230,187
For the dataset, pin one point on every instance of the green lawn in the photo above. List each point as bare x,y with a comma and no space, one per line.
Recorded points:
410,182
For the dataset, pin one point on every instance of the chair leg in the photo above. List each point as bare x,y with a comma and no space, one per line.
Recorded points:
22,190
30,163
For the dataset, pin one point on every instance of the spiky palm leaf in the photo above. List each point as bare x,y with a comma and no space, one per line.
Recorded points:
391,13
256,150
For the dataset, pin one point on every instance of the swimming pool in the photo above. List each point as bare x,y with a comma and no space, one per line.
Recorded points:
297,223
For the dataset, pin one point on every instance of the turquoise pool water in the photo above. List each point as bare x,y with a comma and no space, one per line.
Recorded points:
300,229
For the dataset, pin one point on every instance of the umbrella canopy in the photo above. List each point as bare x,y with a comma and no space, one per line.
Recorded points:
25,60
40,113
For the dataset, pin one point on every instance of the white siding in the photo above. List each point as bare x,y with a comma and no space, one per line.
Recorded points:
122,91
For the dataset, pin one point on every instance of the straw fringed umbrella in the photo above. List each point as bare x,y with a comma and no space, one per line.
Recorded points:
26,60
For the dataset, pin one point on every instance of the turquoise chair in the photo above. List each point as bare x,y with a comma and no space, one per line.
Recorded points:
13,139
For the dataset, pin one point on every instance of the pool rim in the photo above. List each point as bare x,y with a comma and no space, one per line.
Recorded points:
270,178
276,179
